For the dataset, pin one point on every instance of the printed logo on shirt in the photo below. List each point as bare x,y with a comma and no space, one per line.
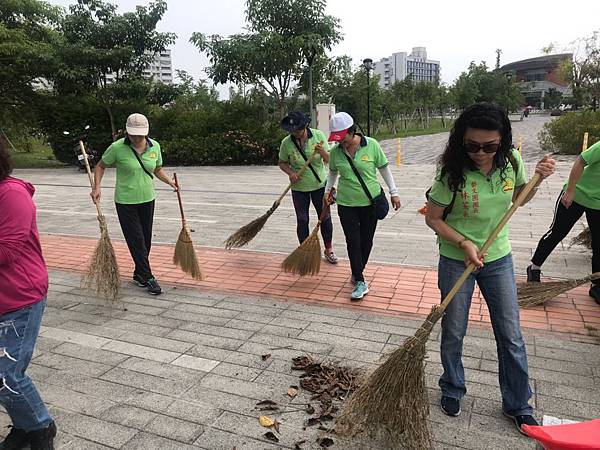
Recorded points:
153,155
365,158
508,185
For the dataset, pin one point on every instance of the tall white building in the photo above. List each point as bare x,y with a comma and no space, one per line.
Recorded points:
159,69
399,65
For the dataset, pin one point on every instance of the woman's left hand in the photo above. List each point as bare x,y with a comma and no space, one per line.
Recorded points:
546,166
396,202
173,185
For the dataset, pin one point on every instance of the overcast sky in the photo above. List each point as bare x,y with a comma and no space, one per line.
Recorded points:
454,32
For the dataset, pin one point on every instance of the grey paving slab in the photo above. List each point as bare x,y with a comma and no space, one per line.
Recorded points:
105,392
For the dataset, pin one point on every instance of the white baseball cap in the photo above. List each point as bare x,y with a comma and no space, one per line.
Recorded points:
137,125
339,124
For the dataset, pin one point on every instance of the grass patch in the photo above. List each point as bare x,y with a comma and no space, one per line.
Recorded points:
415,130
40,156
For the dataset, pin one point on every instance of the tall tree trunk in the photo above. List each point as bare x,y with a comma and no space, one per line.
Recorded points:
111,117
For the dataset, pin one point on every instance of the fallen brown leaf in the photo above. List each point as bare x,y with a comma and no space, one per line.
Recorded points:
297,445
310,409
325,442
266,422
292,391
312,421
265,356
266,402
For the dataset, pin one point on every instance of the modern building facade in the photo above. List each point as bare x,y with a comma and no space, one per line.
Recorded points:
537,75
160,69
398,66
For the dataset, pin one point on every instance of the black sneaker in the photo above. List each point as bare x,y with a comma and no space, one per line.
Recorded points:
450,406
153,287
139,280
525,419
533,275
43,439
16,439
595,292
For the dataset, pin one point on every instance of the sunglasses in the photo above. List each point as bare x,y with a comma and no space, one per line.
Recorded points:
474,147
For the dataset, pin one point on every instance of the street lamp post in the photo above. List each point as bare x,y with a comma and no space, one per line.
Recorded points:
509,78
368,65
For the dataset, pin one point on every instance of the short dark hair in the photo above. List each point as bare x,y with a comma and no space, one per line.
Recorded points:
6,163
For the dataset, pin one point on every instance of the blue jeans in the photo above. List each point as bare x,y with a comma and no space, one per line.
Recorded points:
18,333
496,281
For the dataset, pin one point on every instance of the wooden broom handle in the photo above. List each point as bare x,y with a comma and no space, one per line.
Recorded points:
490,240
179,198
89,172
299,173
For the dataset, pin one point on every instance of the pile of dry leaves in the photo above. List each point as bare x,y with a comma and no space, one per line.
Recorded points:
329,385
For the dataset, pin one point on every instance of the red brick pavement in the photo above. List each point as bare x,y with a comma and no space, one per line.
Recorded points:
394,289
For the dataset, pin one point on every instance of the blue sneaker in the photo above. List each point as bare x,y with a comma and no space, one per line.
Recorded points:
360,290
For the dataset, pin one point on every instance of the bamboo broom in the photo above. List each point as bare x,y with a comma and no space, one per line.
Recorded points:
393,397
246,233
102,273
306,259
532,294
584,238
185,255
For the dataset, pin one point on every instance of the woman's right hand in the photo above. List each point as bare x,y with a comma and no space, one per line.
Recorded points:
294,178
95,194
471,253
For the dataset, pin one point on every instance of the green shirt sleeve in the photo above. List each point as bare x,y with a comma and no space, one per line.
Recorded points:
440,193
380,158
284,152
109,157
159,159
592,154
520,178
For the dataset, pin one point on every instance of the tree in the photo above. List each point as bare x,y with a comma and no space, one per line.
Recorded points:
104,53
28,38
552,98
272,55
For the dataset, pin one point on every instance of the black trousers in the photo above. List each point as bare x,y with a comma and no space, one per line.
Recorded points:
302,202
564,220
359,225
136,224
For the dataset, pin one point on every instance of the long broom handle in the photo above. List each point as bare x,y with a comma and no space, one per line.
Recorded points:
299,173
179,199
89,172
490,240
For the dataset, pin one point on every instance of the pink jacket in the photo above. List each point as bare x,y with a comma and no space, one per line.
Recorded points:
23,274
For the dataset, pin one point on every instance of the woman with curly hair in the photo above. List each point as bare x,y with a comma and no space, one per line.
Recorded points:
479,176
23,291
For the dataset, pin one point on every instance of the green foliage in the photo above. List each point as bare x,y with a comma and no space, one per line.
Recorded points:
282,36
565,133
552,98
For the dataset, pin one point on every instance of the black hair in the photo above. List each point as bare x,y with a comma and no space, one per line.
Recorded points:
6,163
455,161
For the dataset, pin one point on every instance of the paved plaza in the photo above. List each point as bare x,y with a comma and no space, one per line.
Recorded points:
186,370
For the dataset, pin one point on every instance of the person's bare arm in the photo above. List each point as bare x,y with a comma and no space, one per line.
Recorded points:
98,174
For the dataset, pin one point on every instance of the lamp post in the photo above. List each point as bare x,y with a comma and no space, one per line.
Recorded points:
368,65
509,78
310,59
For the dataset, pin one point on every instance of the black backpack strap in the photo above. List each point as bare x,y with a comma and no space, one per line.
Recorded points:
137,156
360,180
301,151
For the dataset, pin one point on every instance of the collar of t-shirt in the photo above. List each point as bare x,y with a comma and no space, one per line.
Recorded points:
309,135
149,143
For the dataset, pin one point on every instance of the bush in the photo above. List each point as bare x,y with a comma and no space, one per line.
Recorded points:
565,133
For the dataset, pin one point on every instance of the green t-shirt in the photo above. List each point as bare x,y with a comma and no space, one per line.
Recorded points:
133,186
289,153
368,158
587,189
478,208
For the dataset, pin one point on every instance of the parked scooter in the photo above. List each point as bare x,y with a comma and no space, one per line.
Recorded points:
93,156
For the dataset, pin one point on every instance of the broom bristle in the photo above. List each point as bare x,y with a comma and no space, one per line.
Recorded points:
185,255
393,398
532,294
102,274
584,238
306,259
246,233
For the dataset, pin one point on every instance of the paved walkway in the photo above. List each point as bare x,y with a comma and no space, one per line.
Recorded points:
394,289
184,371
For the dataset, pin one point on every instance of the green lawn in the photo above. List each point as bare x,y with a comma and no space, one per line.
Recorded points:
39,157
435,127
